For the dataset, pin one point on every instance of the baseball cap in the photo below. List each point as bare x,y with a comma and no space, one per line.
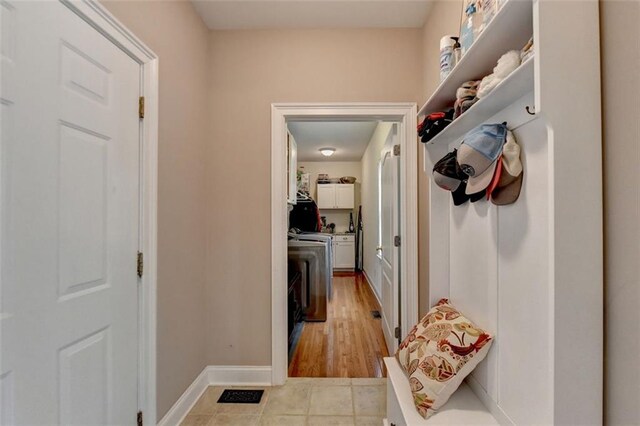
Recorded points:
477,196
496,178
509,184
479,154
448,175
459,196
433,124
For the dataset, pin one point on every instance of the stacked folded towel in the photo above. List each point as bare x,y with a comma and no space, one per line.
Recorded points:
506,65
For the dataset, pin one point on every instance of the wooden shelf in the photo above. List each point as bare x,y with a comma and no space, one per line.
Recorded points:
504,94
510,29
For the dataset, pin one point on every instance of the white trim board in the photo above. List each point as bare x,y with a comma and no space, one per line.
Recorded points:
104,22
373,289
187,400
402,113
215,375
231,375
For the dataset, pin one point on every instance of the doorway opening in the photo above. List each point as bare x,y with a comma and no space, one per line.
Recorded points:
349,261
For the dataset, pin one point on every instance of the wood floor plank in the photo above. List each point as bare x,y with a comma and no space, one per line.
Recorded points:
350,343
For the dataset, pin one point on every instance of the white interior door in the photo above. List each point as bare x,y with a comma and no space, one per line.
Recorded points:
70,221
390,254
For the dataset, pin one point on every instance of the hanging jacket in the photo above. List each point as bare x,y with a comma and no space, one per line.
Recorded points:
305,216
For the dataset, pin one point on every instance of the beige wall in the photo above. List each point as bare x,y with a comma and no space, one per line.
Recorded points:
370,195
250,70
180,39
444,18
620,43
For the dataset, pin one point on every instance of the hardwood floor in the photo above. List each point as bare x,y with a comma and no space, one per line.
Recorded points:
350,343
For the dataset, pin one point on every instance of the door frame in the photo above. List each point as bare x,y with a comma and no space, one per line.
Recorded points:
403,113
105,23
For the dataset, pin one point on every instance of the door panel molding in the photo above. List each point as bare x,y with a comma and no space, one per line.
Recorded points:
107,25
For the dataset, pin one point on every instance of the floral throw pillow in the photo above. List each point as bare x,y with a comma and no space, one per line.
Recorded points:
439,352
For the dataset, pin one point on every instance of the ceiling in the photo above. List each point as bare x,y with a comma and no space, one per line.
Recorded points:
272,14
349,138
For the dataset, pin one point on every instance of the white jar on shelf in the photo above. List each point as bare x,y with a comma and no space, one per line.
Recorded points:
447,59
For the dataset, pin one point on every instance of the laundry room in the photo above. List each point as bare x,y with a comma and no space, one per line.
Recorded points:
334,246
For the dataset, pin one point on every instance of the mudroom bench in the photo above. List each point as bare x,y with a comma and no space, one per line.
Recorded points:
463,408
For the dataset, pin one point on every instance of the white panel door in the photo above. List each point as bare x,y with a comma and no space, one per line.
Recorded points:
345,196
70,221
326,196
390,254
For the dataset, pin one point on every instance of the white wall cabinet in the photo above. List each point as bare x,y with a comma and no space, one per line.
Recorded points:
345,196
326,196
344,252
335,196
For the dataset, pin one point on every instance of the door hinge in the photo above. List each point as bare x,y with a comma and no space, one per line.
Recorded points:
141,107
139,418
140,264
397,332
396,150
396,241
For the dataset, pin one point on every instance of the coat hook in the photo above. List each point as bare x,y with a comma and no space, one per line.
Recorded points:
529,110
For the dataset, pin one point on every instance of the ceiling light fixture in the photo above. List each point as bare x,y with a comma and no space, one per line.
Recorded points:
327,152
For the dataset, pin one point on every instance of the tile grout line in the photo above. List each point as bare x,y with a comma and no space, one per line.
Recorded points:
306,418
266,394
353,402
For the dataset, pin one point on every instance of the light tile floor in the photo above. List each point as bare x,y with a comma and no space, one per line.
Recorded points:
300,402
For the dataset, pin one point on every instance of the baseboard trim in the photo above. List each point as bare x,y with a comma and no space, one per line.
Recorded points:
215,375
373,289
187,400
243,375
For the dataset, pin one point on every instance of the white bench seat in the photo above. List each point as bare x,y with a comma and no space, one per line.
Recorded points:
463,408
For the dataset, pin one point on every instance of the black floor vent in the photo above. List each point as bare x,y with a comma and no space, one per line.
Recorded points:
376,314
240,396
